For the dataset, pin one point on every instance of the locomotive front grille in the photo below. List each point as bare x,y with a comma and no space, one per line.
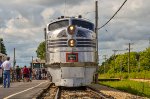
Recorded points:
74,64
64,43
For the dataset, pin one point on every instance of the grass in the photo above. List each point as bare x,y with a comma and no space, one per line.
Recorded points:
134,87
134,75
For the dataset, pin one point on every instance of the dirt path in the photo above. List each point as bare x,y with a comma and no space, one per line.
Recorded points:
141,80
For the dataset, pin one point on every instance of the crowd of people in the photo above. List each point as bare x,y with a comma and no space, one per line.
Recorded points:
25,73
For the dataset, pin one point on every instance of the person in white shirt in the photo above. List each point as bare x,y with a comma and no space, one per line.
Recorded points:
6,66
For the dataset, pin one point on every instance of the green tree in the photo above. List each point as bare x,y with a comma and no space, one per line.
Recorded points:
138,61
145,59
2,47
109,65
41,50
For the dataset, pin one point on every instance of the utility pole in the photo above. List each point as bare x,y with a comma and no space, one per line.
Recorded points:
114,60
120,66
139,64
96,31
129,59
14,62
32,62
129,49
105,62
45,37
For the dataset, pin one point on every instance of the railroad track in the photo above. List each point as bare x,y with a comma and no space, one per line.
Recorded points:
50,93
74,93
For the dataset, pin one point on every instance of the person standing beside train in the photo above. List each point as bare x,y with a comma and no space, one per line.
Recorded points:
30,73
18,71
6,66
25,74
34,73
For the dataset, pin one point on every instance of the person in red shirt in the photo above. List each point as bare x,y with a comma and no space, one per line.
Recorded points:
25,73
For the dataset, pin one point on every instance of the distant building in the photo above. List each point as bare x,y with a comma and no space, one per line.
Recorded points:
37,63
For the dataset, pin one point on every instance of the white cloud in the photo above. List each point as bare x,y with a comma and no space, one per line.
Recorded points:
47,13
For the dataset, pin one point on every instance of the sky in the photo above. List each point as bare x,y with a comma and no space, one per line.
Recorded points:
22,23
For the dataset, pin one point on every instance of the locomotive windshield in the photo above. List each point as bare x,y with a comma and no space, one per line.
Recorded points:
58,24
83,24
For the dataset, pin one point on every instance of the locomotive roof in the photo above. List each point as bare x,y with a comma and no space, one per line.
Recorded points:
69,18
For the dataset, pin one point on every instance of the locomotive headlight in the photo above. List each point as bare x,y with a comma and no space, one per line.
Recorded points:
72,42
71,29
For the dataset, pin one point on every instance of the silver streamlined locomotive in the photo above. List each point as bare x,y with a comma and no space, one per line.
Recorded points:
70,51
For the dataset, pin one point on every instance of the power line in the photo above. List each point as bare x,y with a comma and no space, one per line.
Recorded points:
113,15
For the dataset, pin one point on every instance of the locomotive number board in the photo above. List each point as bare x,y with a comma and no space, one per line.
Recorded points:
71,57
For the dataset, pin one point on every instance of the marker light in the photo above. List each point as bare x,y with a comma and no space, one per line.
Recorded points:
71,29
72,42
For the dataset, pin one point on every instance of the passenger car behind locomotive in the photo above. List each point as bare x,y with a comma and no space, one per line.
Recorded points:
70,51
